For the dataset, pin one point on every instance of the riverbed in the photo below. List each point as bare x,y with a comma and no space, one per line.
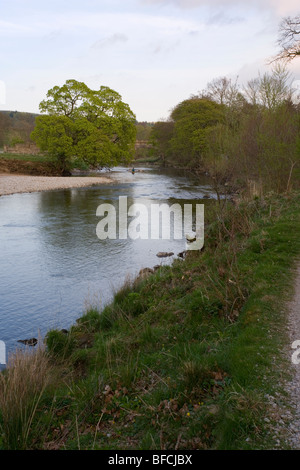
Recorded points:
13,184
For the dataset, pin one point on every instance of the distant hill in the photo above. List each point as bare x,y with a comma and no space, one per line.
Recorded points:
15,127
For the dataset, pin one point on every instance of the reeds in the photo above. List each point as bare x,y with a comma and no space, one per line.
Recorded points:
22,386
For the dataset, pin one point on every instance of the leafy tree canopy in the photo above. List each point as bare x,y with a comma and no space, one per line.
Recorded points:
192,118
96,127
160,139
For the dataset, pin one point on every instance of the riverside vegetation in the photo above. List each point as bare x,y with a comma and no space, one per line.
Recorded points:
237,135
189,368
186,358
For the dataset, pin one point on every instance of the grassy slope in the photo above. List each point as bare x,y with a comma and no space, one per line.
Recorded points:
185,358
27,164
32,164
23,157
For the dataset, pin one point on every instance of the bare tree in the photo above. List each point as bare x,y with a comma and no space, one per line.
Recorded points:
270,89
289,39
252,91
225,91
275,88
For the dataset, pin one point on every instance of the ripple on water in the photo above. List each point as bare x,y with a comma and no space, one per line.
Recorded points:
52,263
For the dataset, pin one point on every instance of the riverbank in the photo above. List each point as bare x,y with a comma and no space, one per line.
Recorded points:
11,184
35,165
192,357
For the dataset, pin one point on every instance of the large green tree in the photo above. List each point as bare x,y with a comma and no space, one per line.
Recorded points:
160,139
95,127
192,120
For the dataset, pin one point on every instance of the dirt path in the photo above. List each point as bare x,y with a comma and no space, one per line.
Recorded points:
11,184
293,386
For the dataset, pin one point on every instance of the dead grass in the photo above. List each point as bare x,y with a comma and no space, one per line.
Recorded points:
22,386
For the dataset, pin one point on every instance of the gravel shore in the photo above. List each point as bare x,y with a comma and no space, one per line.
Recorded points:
11,184
286,404
293,387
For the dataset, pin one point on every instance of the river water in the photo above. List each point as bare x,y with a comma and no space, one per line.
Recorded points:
52,264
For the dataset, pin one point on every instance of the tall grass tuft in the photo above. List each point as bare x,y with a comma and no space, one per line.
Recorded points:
22,386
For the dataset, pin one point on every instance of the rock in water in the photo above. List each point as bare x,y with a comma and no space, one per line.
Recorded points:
156,267
144,273
28,342
164,254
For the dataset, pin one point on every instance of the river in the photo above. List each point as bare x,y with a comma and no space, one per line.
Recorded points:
53,265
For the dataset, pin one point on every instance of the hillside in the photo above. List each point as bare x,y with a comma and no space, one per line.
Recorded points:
15,126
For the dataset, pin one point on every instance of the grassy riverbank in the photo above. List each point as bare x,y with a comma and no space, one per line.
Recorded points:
26,164
185,359
32,164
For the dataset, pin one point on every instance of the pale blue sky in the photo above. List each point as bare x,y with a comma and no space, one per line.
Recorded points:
155,53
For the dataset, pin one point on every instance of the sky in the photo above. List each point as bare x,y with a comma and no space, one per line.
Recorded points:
155,53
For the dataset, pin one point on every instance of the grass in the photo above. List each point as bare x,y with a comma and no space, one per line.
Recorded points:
45,162
22,386
186,358
23,157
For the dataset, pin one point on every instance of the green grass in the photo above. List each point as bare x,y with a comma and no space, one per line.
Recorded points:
22,157
41,159
185,358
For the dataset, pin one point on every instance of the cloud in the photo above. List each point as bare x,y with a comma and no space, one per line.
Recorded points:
223,19
12,29
165,48
53,35
110,41
288,7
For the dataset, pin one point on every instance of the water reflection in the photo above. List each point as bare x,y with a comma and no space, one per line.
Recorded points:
52,262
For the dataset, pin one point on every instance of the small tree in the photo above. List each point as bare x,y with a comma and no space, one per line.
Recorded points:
226,92
275,88
192,118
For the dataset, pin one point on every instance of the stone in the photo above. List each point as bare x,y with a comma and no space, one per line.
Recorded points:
28,342
144,273
164,254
